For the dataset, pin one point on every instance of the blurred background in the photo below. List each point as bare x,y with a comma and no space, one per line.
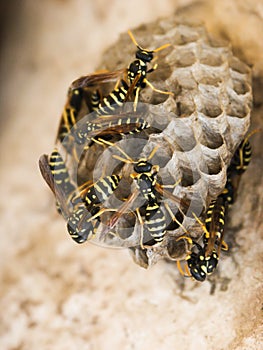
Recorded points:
57,295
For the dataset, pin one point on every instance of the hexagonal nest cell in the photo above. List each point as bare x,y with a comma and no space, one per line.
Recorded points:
195,131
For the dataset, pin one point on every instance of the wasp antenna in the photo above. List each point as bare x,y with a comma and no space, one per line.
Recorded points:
153,152
133,39
129,159
162,47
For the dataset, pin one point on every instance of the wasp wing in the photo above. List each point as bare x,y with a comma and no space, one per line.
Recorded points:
92,80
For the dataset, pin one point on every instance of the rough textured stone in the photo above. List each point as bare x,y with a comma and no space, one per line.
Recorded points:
58,295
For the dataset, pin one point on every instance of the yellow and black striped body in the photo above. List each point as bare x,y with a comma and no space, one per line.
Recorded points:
95,100
215,220
60,173
69,204
69,120
137,124
205,260
241,158
81,136
70,114
155,222
145,178
122,125
237,167
115,99
99,192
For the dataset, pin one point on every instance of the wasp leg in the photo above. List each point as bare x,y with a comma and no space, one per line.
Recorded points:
136,99
207,234
174,218
157,90
141,223
185,273
171,186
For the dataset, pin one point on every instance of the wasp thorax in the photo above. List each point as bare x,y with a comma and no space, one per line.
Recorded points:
134,69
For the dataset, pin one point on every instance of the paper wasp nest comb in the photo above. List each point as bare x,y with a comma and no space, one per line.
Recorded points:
197,129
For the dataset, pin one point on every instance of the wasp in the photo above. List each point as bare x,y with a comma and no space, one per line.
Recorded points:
121,124
56,175
60,173
136,75
76,97
100,126
214,224
138,69
145,177
204,260
80,206
99,192
132,79
115,99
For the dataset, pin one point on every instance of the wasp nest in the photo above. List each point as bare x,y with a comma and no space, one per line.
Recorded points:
197,130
